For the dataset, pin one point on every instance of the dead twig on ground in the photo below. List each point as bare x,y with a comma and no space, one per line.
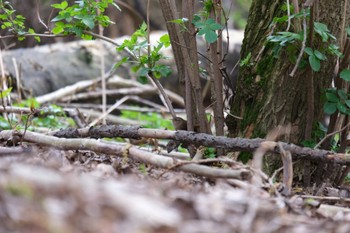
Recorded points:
125,150
202,139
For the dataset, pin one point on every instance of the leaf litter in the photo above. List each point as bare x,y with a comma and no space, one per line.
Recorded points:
49,190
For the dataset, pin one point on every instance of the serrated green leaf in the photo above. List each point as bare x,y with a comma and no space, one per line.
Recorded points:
345,74
314,63
330,108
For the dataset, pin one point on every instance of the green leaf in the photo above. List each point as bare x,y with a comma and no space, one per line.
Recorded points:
57,18
345,74
341,107
211,37
320,55
121,62
216,26
63,5
165,39
89,21
57,30
314,63
343,94
334,50
330,108
347,102
309,51
6,92
86,37
179,21
332,97
142,79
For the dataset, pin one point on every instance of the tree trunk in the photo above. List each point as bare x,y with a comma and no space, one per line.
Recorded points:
266,95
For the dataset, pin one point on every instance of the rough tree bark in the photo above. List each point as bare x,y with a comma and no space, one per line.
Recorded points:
266,95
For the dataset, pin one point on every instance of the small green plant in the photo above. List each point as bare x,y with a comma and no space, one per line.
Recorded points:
210,153
337,100
150,120
145,63
246,61
293,40
81,16
143,169
13,22
207,28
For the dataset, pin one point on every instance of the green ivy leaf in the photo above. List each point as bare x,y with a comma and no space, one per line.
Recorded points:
314,63
330,108
345,74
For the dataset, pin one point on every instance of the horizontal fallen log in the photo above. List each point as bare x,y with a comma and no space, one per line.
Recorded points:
123,150
201,139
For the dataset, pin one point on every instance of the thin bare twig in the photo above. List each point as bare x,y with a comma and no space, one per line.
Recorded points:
302,47
331,134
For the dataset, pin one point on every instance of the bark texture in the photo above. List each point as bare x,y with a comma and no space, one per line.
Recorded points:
266,95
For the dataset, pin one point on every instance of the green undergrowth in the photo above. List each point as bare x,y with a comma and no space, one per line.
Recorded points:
149,120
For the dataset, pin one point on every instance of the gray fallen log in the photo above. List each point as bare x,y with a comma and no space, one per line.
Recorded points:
47,68
44,69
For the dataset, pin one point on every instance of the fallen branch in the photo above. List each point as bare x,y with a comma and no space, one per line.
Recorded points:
201,139
125,151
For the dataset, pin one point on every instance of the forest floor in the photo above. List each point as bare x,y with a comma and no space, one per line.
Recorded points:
45,189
